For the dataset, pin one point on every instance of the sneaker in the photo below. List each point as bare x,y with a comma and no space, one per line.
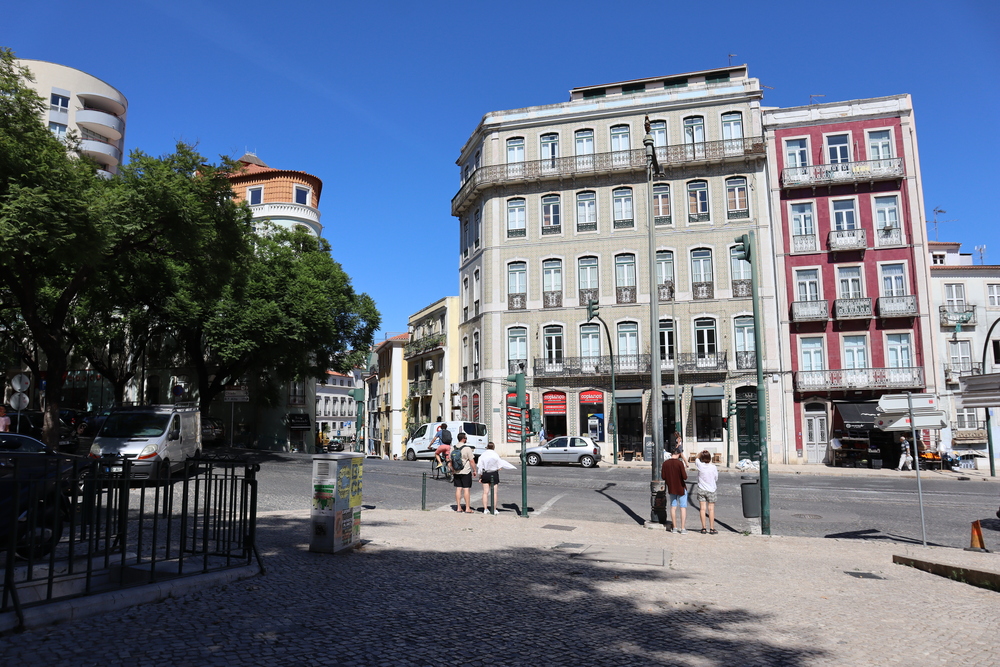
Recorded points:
495,512
682,531
673,530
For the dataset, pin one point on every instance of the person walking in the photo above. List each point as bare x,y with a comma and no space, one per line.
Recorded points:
906,456
708,477
4,420
674,473
490,464
463,473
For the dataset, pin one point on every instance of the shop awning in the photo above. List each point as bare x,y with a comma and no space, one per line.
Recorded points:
628,396
668,392
857,416
708,393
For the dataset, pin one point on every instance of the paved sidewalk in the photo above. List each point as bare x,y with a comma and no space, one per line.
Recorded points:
533,592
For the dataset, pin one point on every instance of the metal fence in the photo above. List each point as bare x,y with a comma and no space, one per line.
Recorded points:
72,527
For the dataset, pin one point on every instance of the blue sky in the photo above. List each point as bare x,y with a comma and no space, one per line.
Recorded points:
376,99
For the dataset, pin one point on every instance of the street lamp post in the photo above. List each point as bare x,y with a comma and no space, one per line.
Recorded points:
989,426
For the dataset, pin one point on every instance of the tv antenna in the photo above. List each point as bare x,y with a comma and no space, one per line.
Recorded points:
731,56
936,221
813,96
981,249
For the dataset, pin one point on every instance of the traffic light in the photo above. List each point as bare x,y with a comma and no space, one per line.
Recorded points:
592,309
519,399
742,248
359,396
536,420
725,422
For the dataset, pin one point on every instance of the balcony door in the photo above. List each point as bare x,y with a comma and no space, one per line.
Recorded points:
628,346
815,433
732,132
553,348
960,356
705,342
590,347
856,361
694,137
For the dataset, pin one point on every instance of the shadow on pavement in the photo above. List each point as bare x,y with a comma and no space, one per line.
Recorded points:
875,534
625,508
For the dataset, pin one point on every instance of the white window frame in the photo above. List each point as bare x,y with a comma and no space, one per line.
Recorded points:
622,204
885,216
865,347
954,294
869,144
625,270
993,294
697,194
551,211
892,284
898,347
698,266
517,343
517,277
517,215
548,147
839,219
590,341
296,189
807,282
734,187
797,152
661,200
588,275
255,189
845,273
658,130
586,204
552,275
621,138
628,333
743,333
706,338
664,266
740,269
809,355
827,157
803,222
515,150
583,138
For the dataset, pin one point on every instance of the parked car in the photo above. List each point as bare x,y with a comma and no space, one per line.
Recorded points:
71,416
91,423
156,438
565,449
418,446
213,431
29,422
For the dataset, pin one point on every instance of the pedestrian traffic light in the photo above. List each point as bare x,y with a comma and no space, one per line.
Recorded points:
519,399
536,420
592,309
725,422
742,248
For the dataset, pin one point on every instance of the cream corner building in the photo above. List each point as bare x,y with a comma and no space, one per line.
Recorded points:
432,360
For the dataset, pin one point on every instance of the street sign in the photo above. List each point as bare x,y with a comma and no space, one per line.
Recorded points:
900,403
19,401
901,422
980,391
237,394
20,382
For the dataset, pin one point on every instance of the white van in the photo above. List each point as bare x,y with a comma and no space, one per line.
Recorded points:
156,438
418,446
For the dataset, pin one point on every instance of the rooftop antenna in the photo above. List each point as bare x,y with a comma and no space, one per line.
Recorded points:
731,56
936,221
814,96
981,249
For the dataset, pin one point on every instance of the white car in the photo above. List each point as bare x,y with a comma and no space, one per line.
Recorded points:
565,449
418,446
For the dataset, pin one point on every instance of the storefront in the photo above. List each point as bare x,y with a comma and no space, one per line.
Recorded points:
554,413
861,445
708,412
592,410
629,421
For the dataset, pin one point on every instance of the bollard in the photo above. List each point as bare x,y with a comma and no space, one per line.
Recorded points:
493,497
423,493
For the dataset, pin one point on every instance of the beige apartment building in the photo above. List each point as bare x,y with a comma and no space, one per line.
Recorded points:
552,212
433,363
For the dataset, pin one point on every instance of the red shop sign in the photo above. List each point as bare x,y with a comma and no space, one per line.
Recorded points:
554,403
592,396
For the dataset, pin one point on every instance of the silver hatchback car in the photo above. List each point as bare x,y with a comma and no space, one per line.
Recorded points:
565,449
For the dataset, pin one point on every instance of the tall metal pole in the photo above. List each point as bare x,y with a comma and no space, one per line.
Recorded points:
765,479
989,427
655,377
916,465
524,465
612,420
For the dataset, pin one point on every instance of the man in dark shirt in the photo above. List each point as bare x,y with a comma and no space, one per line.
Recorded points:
674,473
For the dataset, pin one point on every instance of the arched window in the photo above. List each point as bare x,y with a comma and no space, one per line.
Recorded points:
658,128
553,341
661,204
737,202
628,345
516,218
705,345
549,145
702,275
517,286
625,278
586,212
622,201
515,150
552,276
732,132
694,137
517,349
698,201
551,218
745,351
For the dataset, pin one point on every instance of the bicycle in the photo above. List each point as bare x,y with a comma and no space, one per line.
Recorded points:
442,469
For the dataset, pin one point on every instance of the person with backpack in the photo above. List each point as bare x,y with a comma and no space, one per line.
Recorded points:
463,463
441,444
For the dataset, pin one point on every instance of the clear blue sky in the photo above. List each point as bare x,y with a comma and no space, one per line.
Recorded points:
376,98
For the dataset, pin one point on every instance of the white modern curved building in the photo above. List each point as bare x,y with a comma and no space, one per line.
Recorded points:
78,101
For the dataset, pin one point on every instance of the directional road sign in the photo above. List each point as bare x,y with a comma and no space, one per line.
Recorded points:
901,422
19,401
20,382
900,403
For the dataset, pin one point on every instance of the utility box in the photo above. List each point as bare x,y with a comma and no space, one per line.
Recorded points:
336,507
751,498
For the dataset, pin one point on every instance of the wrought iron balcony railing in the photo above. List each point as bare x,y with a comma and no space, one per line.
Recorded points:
954,371
848,239
745,360
517,366
805,243
859,378
968,424
703,290
742,288
588,294
424,344
420,388
603,163
844,172
552,299
518,301
952,315
689,362
625,294
852,309
662,220
625,224
888,236
810,311
665,290
897,306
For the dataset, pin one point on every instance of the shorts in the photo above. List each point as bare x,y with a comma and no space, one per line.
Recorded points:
678,500
490,477
705,496
442,450
463,481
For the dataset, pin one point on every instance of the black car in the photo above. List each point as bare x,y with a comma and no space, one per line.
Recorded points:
29,422
213,431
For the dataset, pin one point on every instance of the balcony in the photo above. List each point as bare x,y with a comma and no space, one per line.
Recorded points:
847,239
810,311
729,150
113,105
662,220
624,224
952,372
425,344
844,172
703,290
888,237
689,362
897,306
552,299
287,211
859,378
548,230
665,291
955,315
420,388
101,122
517,366
738,214
805,243
102,152
969,431
517,301
587,295
742,289
852,309
746,360
625,294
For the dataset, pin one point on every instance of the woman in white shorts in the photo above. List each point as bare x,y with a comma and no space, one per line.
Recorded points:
708,477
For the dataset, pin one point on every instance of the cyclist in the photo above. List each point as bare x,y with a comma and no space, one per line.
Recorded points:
441,444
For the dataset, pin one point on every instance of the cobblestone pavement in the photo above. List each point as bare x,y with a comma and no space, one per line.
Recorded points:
432,588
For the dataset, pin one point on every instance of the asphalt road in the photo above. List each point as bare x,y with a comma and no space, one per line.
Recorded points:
875,508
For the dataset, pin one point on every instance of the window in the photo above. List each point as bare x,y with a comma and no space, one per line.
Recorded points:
552,275
966,418
622,204
879,145
796,153
849,280
297,393
838,149
590,340
586,212
954,294
584,142
515,218
476,292
517,345
960,354
517,278
886,212
855,352
59,103
701,265
58,129
658,130
465,358
993,294
465,237
628,341
737,205
666,340
704,338
893,280
549,144
588,273
732,133
553,340
938,258
694,137
477,225
697,201
807,284
740,267
843,215
664,267
898,350
802,220
515,150
475,355
744,334
625,270
661,203
812,354
620,138
302,195
465,298
550,214
255,196
708,420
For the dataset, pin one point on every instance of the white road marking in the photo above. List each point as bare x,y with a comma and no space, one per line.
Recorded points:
551,501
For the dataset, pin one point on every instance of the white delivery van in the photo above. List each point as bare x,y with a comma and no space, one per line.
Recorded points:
156,438
418,446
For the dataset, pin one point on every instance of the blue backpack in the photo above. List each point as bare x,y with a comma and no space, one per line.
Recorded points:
456,459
